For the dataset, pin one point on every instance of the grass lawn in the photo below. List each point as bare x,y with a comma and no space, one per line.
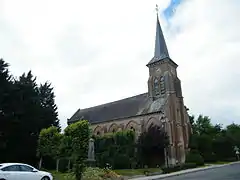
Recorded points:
61,176
123,172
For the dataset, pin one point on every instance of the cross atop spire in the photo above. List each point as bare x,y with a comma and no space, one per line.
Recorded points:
161,51
157,9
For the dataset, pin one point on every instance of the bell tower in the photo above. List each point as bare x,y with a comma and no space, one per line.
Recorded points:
163,83
162,69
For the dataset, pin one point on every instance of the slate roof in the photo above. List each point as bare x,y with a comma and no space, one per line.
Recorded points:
129,107
161,50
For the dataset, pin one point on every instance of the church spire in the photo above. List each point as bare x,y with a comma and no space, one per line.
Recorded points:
161,51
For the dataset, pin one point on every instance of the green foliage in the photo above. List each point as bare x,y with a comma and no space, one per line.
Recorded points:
151,145
23,114
78,133
117,149
66,150
93,174
5,112
194,157
214,142
49,142
233,133
89,174
49,108
153,138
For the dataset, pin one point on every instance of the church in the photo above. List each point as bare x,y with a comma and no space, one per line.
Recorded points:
162,105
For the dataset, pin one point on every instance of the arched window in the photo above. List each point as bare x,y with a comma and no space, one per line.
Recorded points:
162,85
98,133
156,87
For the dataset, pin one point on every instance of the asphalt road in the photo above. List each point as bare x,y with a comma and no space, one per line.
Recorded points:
229,172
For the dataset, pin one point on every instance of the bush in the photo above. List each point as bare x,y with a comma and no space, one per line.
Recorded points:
109,174
93,174
117,149
79,134
121,161
194,157
189,165
88,174
99,174
210,157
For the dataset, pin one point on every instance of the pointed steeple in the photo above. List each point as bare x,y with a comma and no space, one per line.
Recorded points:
161,51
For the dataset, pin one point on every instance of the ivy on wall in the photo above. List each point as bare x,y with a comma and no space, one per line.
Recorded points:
116,149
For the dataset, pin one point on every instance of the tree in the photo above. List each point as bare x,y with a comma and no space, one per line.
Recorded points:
5,108
213,141
25,125
223,146
66,150
233,132
49,114
49,144
203,125
34,110
79,134
151,144
25,109
202,138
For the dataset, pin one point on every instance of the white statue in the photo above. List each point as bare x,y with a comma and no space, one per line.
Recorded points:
91,152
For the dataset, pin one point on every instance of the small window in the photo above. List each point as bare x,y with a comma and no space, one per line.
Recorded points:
11,168
26,168
98,133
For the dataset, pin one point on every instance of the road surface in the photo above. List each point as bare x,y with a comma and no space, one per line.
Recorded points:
229,172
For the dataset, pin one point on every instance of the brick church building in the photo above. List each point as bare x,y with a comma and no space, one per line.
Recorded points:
162,105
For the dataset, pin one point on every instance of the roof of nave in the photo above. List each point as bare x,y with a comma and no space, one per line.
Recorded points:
128,107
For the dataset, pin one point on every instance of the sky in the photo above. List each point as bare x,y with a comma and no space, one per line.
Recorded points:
95,52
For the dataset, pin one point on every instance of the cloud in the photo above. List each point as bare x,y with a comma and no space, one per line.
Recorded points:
94,52
206,47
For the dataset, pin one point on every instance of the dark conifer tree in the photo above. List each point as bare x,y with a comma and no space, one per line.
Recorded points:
26,122
5,110
49,115
25,109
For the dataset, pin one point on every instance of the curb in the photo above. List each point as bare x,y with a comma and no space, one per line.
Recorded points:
184,172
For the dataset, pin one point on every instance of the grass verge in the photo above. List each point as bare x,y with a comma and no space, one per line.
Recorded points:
135,172
122,172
